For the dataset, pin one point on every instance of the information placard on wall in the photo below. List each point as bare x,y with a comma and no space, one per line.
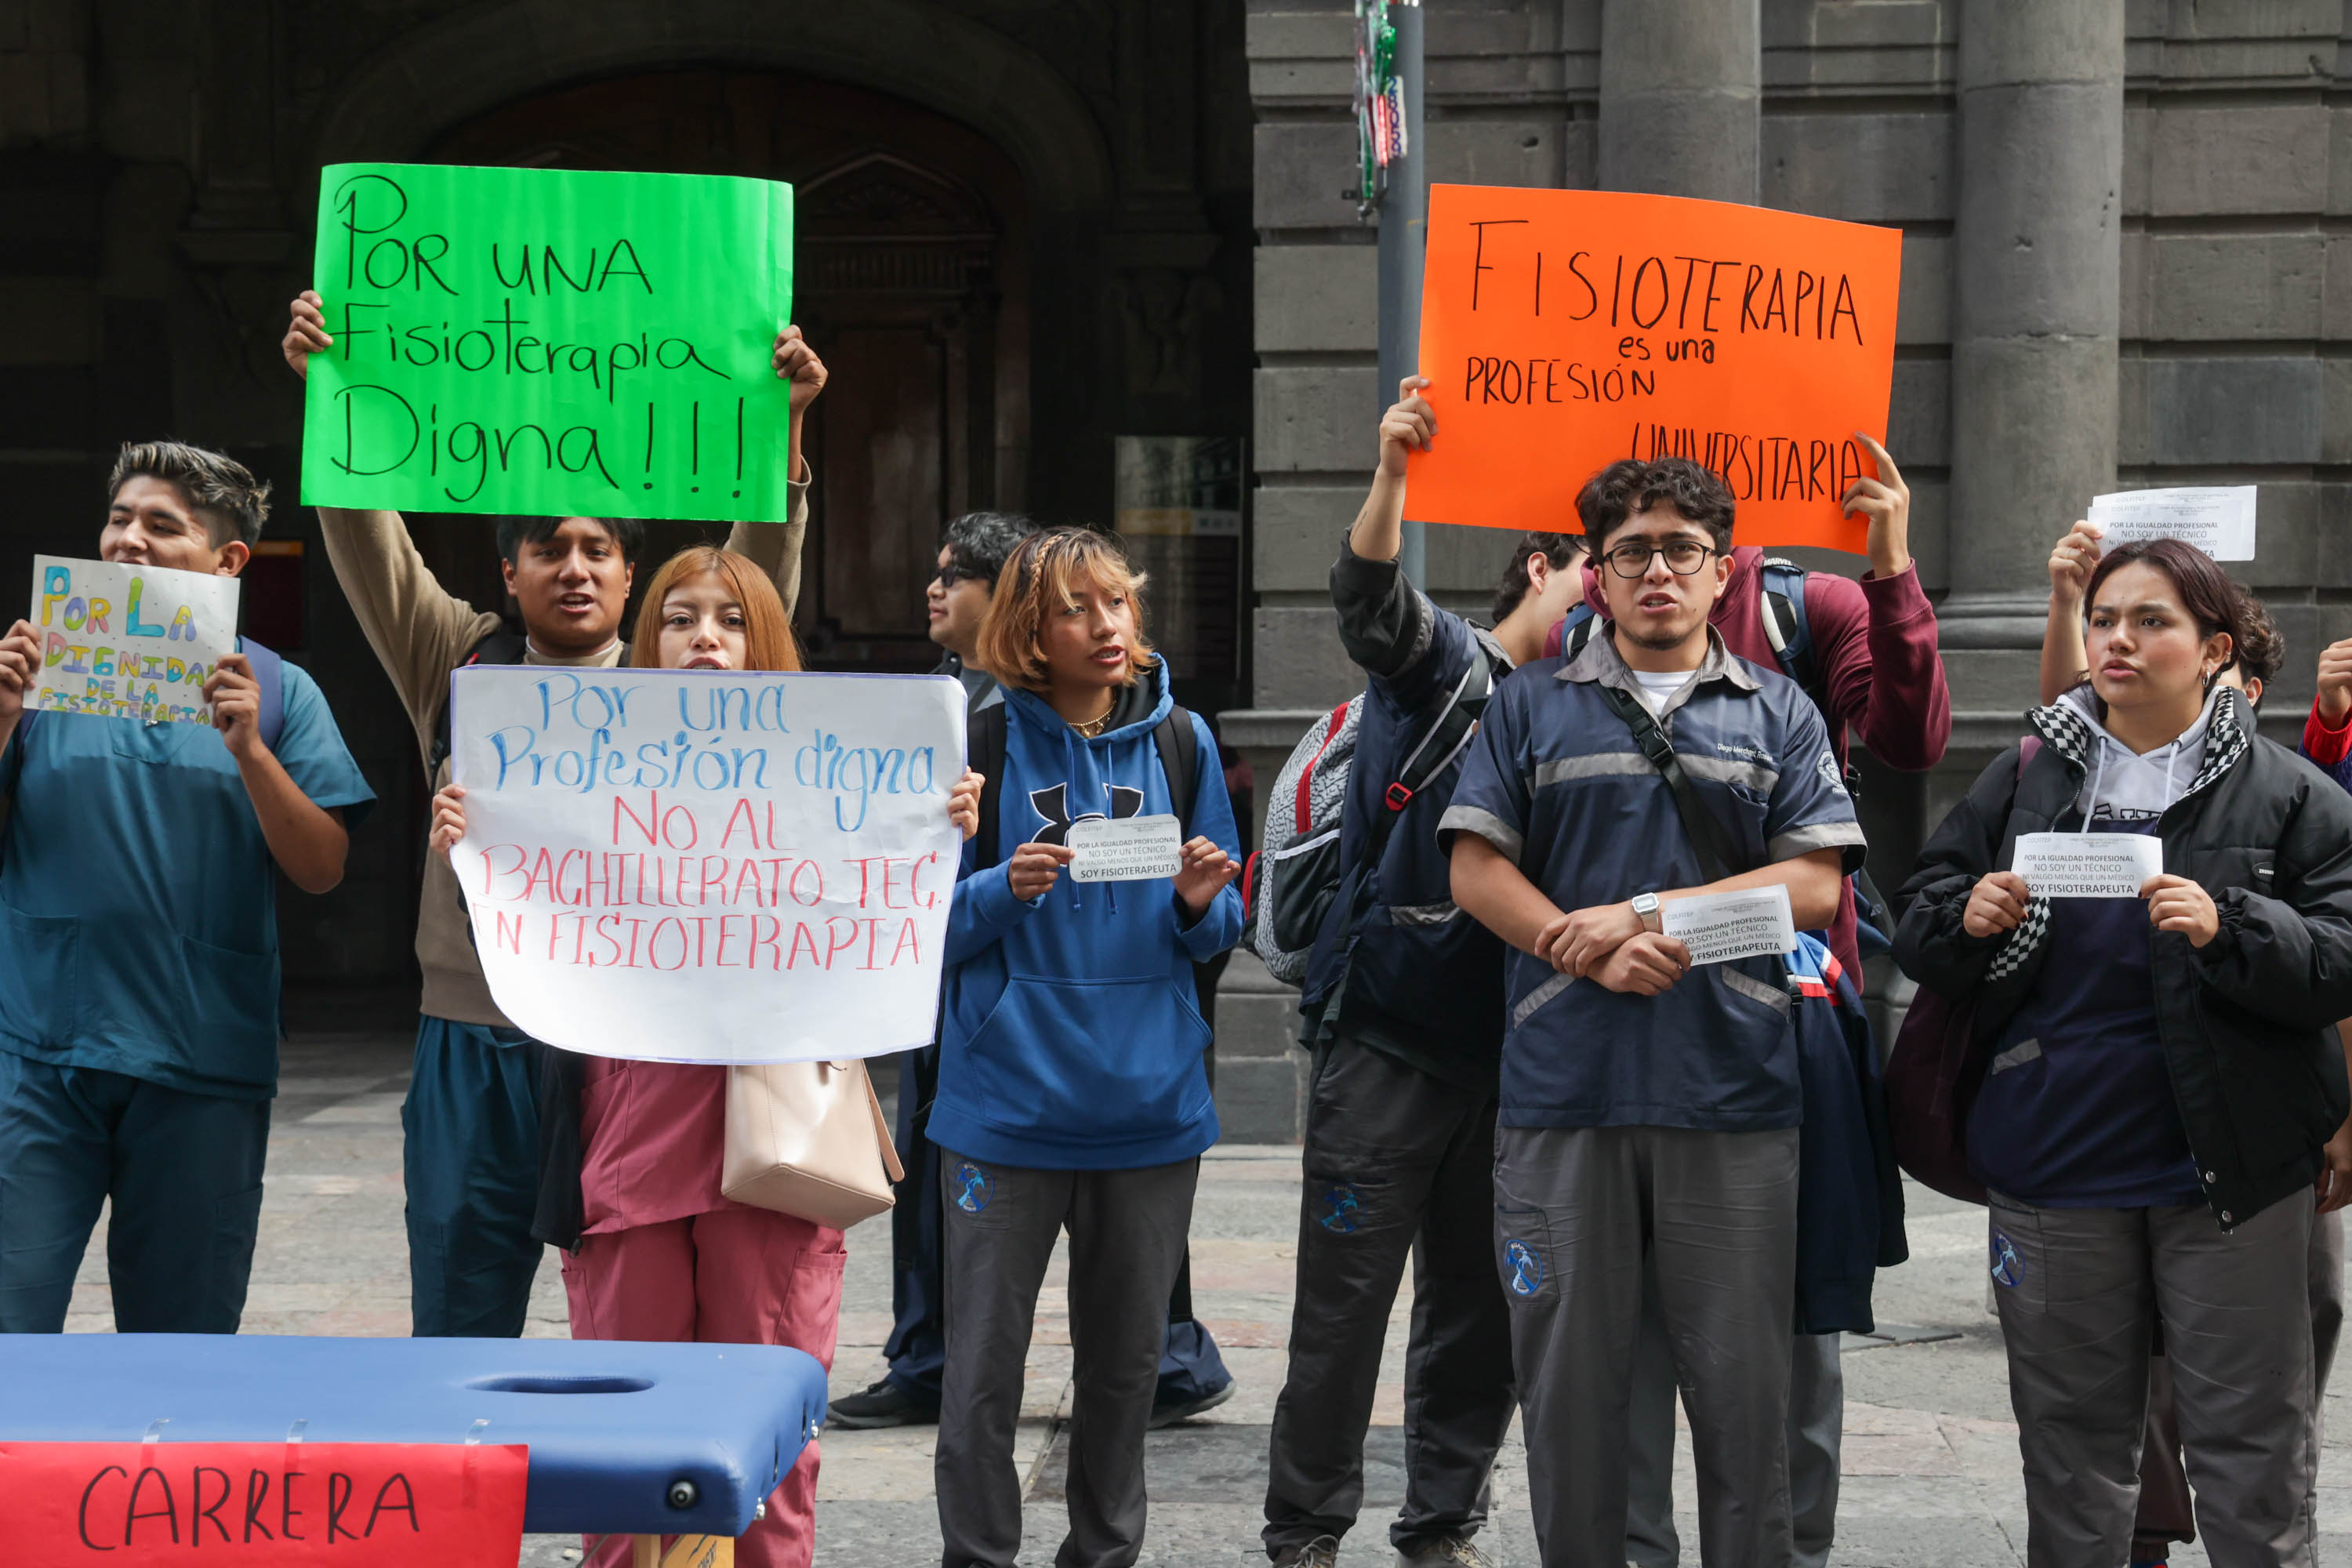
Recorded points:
1565,330
549,341
705,865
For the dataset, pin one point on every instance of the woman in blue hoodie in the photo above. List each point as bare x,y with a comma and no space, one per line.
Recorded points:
1073,1093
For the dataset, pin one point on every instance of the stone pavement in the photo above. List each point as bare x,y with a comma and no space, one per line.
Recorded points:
1930,1454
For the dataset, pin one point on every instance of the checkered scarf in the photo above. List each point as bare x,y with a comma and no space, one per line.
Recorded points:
2064,730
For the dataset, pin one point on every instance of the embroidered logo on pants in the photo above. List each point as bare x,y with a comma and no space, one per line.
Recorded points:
2006,1268
973,1188
1342,1210
1525,1266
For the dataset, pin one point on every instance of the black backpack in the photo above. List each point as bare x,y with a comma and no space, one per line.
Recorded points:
1179,758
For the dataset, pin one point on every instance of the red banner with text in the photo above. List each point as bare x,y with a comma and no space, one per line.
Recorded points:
260,1505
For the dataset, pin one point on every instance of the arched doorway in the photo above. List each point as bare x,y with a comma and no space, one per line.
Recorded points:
910,277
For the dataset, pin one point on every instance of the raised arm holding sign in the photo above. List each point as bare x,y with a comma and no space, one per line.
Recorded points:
1564,330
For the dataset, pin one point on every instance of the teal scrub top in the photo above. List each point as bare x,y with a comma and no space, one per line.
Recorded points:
138,897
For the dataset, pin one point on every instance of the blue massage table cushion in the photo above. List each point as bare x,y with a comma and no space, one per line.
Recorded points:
626,1437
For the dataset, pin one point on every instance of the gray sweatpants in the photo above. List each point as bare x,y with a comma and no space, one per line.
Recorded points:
1126,1239
2166,1512
1816,1442
1578,1211
1397,1164
2078,1290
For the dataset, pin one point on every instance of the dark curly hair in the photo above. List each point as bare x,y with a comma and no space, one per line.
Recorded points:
2261,649
1559,549
1628,486
983,541
222,491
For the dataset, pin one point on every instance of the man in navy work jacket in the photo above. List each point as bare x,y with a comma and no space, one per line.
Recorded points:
1405,1010
139,939
1647,1107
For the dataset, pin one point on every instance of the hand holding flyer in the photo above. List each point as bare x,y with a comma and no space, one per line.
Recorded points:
2088,864
1716,928
1132,849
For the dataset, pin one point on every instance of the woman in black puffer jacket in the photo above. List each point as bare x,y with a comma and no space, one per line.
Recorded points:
2163,1069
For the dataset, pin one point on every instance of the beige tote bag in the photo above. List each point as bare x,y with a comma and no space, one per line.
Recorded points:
807,1139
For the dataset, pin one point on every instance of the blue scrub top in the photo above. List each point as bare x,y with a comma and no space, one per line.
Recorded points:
138,899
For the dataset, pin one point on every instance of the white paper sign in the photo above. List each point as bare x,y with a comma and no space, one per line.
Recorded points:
702,866
1131,849
1719,927
2088,864
2217,518
129,642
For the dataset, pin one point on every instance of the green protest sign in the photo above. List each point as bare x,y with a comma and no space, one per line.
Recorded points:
549,341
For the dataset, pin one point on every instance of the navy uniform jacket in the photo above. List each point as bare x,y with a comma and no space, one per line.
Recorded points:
1555,781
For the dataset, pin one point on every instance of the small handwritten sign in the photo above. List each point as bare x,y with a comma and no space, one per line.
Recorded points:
1753,922
2088,864
264,1505
1565,330
698,866
1131,850
549,341
129,642
2217,518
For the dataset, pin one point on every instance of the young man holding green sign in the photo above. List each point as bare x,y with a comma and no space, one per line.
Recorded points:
139,868
471,1159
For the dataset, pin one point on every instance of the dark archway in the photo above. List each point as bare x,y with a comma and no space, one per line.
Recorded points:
911,278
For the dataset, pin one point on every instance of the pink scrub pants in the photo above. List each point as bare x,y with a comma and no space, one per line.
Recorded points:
738,1276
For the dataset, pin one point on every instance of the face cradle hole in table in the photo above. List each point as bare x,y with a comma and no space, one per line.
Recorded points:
561,1383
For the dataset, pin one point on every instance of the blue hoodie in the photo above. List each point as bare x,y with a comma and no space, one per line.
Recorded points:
1072,1036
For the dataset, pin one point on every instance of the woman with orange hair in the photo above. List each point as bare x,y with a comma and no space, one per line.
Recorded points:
653,1248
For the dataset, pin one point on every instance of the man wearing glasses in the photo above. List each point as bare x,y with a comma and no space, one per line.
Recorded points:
1870,664
1648,1109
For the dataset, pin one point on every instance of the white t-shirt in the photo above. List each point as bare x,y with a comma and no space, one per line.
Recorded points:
1656,687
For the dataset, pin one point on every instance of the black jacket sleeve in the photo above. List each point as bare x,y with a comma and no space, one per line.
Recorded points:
2287,955
1388,628
1930,944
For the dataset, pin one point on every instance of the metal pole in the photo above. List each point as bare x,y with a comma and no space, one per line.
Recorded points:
1404,223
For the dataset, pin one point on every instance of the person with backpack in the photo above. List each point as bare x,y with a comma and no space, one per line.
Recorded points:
1866,652
1650,1112
1403,1009
2160,1074
139,975
1072,1092
471,1153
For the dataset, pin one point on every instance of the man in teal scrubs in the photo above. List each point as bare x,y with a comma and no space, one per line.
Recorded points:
138,939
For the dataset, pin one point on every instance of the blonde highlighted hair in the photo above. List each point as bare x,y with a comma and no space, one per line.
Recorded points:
767,632
1041,578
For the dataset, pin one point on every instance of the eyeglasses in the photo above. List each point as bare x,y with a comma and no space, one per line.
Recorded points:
1684,556
955,571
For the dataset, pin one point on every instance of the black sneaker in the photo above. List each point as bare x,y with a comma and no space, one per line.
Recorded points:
883,1404
1184,1410
1323,1551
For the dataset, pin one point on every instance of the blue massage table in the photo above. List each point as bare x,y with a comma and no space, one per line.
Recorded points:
625,1439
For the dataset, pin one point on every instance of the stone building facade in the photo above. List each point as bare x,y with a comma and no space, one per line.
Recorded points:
1033,226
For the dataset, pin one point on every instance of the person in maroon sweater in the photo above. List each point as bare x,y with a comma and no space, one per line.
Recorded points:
1882,682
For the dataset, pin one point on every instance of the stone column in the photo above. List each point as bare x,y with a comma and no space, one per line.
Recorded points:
2037,270
1681,84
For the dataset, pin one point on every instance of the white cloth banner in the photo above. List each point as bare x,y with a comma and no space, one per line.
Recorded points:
2088,864
129,642
705,866
2217,518
1716,928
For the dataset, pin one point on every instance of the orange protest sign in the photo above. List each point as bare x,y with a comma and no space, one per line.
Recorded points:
1564,330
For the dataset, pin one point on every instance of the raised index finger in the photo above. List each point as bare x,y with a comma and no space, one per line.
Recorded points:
1888,471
